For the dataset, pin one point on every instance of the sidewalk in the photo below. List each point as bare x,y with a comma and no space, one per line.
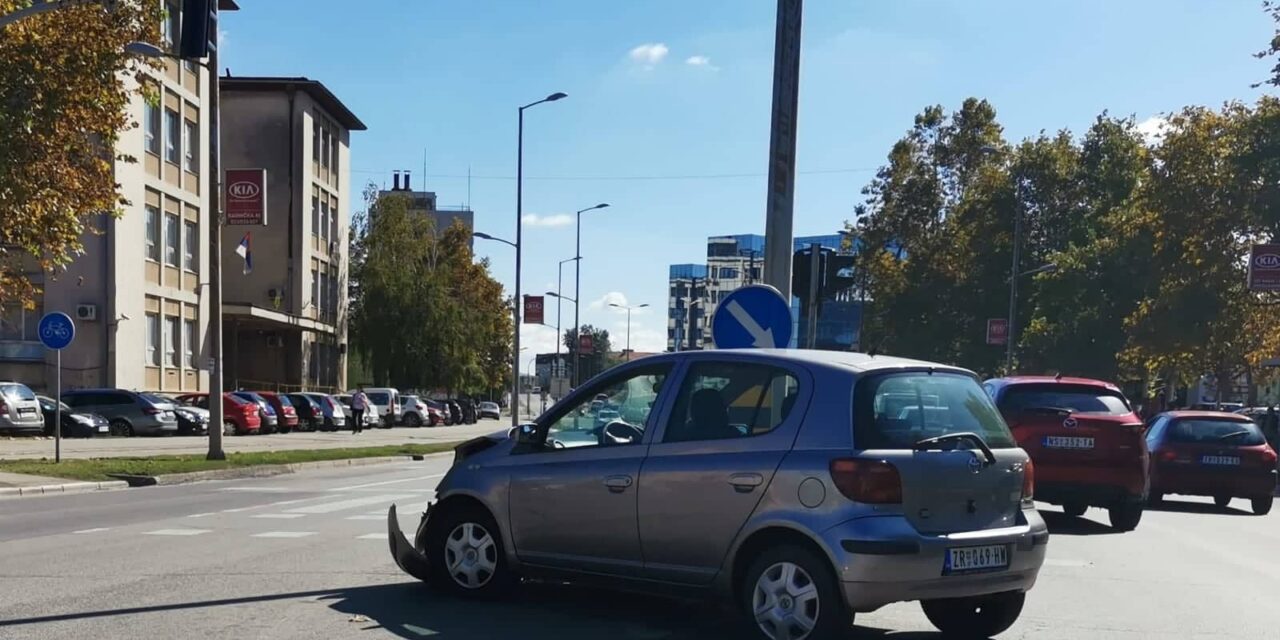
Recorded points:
19,484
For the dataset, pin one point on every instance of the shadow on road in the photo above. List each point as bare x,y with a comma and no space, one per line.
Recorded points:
1184,506
1062,524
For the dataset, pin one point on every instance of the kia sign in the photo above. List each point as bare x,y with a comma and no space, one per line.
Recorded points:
1264,268
997,331
246,201
533,310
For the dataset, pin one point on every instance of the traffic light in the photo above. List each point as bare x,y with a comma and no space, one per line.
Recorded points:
199,29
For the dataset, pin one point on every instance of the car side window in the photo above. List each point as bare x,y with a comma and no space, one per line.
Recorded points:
726,400
619,420
1156,431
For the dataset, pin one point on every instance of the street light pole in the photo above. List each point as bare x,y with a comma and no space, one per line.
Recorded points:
1013,291
515,307
629,309
577,294
559,290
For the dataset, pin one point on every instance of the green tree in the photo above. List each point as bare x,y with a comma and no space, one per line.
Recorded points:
64,89
1272,50
597,359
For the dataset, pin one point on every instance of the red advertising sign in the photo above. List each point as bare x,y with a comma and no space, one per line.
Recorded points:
1264,268
585,343
533,310
246,196
997,331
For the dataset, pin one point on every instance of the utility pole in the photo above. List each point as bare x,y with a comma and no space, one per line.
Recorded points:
815,274
214,210
782,148
1011,331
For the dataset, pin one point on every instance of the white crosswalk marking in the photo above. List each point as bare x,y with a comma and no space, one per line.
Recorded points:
342,505
284,534
93,530
372,536
279,516
386,482
201,515
380,516
177,532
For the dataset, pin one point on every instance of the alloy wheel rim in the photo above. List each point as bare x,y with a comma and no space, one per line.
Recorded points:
471,555
785,602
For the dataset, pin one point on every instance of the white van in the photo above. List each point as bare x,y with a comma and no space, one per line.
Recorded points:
385,402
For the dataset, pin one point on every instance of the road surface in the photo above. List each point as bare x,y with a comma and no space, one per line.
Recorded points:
305,556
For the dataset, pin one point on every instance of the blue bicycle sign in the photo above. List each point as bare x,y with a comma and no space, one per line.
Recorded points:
57,330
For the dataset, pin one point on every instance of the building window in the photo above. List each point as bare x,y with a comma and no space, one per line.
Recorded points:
189,332
324,219
333,220
333,151
170,25
153,233
191,146
191,257
315,213
17,323
153,339
315,141
173,133
173,346
324,292
151,127
324,148
171,238
315,289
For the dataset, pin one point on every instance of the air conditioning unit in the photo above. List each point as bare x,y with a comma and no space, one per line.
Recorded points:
87,312
275,341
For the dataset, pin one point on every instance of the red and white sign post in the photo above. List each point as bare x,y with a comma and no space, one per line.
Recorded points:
246,197
1264,268
533,310
997,331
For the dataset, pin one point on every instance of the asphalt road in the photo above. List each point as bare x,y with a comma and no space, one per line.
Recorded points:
305,556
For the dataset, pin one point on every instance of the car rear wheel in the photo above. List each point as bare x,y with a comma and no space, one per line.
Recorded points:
229,428
464,551
978,617
413,420
1075,509
121,427
1125,517
789,593
1262,506
1155,499
1221,501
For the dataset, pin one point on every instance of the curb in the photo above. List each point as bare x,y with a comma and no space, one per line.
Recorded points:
264,470
54,489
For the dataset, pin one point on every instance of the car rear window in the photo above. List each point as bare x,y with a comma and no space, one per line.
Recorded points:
155,399
1072,398
897,410
379,397
17,392
1211,431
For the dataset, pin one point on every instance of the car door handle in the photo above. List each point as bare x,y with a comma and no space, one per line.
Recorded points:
745,482
617,484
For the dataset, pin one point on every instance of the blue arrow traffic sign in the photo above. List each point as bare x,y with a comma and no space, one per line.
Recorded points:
752,316
57,330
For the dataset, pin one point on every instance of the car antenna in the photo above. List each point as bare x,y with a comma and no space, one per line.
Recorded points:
1057,377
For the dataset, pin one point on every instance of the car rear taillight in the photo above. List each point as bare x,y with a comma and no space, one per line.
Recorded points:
867,481
152,411
1269,457
1028,480
1168,456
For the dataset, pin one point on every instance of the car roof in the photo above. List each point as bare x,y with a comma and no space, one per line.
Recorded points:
1089,382
1217,415
843,360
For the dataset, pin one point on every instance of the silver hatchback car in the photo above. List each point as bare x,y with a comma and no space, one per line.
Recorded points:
804,486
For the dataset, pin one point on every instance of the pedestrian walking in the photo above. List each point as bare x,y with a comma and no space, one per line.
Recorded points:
359,403
1271,426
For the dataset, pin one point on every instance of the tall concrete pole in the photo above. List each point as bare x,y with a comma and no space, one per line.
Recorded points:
782,148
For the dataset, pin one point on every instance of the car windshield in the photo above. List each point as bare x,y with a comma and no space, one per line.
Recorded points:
17,392
1216,432
1066,397
895,411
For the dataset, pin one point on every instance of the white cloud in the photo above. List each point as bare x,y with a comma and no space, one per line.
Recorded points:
535,339
611,298
701,61
1153,129
649,54
553,220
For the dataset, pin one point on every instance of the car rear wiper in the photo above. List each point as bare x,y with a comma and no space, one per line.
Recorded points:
1234,434
965,436
1062,411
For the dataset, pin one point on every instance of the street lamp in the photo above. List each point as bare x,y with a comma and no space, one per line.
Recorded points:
1013,301
629,309
515,357
485,236
556,295
577,288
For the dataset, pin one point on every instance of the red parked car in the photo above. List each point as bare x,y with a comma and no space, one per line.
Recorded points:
1088,445
288,416
1210,453
239,417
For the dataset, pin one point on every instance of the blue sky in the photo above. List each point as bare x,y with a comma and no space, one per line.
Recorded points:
664,93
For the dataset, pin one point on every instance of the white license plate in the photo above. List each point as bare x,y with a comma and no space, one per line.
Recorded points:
1231,461
1067,442
967,559
103,428
22,411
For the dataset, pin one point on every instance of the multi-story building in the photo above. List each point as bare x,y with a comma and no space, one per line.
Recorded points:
285,321
425,203
686,307
137,292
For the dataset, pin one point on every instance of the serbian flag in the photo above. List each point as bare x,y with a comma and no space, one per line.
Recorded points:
243,251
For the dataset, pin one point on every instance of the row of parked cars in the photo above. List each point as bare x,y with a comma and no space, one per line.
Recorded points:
121,412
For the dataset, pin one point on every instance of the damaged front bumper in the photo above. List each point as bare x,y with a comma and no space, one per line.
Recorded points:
407,557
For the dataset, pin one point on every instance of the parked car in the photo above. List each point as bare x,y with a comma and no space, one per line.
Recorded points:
370,419
414,411
455,411
1088,445
19,410
310,415
439,413
1228,407
74,425
785,481
192,421
385,404
267,413
286,414
335,417
1209,453
470,413
128,412
239,416
490,410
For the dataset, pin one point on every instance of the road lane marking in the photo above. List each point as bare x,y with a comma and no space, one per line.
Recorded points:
93,530
284,534
177,532
280,516
386,482
202,515
372,536
341,505
263,489
1075,564
273,504
367,516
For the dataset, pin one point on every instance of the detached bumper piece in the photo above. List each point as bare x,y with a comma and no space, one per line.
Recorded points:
409,559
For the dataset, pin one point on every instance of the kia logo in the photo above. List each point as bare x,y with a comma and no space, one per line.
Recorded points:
243,190
1267,261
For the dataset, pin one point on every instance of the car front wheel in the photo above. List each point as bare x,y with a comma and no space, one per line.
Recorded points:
1074,509
464,551
121,428
790,593
978,617
1262,506
1125,517
1221,501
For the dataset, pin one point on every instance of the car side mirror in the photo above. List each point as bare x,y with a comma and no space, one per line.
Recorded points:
525,434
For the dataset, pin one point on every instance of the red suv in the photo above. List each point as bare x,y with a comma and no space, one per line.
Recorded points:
1209,453
1088,445
238,416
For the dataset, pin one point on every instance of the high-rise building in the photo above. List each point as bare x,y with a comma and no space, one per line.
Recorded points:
425,203
686,307
285,322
